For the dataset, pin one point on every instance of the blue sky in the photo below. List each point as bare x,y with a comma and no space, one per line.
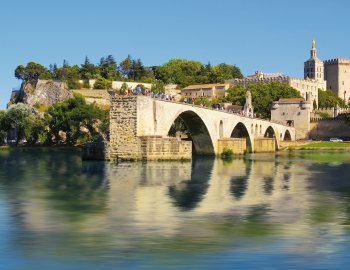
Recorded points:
269,35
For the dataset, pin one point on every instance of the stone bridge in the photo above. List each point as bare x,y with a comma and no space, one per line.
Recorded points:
134,118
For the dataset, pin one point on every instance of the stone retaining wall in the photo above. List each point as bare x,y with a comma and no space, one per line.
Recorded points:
265,145
159,148
237,145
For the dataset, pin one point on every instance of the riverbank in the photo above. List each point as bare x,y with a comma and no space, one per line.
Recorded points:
318,145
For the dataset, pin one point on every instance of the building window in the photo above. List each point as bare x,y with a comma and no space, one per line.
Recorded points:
343,82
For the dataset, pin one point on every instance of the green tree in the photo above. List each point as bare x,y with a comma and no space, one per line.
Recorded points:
88,70
185,72
125,67
263,94
70,75
16,119
4,127
179,71
223,72
35,130
31,72
102,83
158,87
108,68
79,121
327,99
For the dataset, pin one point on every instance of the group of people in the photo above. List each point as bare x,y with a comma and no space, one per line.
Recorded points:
146,92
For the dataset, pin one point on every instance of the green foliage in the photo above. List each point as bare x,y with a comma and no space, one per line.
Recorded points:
263,94
32,72
327,99
88,71
179,71
206,102
16,118
3,127
227,153
102,83
224,72
34,130
158,87
109,69
185,72
324,115
79,121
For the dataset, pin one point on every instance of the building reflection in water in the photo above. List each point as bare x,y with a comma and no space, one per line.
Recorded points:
105,205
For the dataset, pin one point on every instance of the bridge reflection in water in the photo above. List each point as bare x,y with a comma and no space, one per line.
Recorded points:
203,205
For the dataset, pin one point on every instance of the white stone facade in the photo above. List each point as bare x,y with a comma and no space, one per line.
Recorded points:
204,90
337,74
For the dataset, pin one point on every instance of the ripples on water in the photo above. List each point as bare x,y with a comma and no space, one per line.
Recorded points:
265,211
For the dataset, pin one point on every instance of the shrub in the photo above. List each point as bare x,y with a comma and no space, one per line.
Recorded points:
227,153
72,84
102,83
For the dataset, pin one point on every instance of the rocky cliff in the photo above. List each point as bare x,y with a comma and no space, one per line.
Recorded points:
45,92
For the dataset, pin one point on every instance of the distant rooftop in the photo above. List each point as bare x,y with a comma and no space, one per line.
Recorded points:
262,75
196,86
289,100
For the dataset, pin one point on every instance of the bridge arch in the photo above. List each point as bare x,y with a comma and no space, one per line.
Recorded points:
198,132
271,133
241,131
287,136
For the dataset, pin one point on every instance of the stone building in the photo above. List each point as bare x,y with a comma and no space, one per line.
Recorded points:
337,75
308,87
293,112
313,67
204,90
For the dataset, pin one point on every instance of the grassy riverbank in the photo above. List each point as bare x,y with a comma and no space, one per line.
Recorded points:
321,146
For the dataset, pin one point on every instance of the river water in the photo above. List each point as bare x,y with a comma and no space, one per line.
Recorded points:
265,211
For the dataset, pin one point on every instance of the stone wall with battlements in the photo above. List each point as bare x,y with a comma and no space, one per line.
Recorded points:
337,75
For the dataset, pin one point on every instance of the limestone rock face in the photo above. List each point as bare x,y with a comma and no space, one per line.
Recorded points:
46,92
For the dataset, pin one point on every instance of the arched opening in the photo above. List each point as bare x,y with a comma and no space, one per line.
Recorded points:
270,133
221,129
287,136
189,126
256,130
240,131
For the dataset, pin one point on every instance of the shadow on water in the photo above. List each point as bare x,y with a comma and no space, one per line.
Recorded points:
239,184
188,194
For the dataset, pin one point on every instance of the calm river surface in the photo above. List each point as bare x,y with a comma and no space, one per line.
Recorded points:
289,211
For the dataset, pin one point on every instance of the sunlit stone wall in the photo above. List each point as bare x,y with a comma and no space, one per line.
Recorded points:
237,145
125,142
